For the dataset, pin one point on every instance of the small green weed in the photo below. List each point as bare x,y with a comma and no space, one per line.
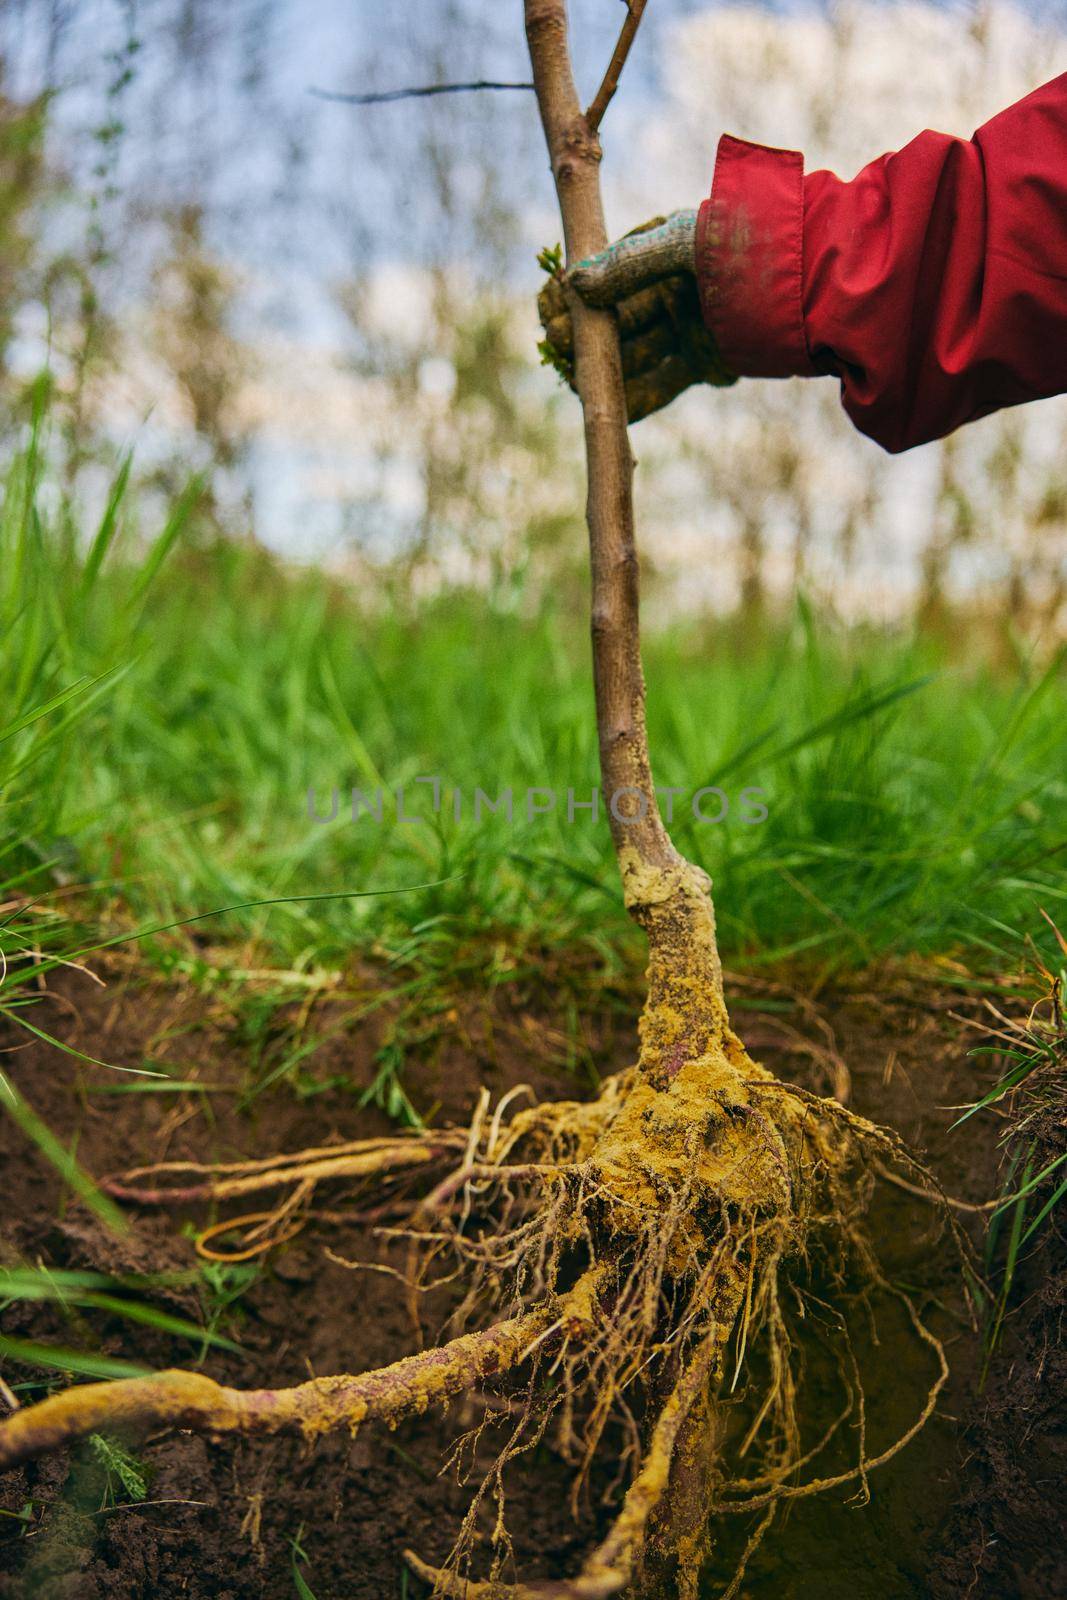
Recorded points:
127,1477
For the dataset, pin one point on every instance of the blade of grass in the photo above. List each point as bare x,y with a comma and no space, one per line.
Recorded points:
83,1362
35,1129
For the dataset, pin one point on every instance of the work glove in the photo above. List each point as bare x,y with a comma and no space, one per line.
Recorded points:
649,279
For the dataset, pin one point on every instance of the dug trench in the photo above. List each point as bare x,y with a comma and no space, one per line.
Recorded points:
969,1508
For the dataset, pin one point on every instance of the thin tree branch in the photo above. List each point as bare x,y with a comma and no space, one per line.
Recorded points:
424,92
602,99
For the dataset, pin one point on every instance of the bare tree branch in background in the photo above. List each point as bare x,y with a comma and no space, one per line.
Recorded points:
425,92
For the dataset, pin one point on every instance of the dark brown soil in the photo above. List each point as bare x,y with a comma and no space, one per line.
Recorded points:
971,1508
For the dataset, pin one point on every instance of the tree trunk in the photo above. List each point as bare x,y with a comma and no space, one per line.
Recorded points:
668,896
684,1019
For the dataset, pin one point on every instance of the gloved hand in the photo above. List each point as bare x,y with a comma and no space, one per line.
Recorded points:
649,277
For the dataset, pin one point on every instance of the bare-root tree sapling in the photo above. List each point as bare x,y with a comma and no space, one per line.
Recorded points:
624,1260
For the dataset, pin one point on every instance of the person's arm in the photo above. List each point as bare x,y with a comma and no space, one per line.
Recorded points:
934,284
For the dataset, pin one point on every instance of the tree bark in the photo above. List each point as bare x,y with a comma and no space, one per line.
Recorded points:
684,1018
668,896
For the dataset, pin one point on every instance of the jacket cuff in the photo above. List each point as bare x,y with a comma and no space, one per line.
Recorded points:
749,258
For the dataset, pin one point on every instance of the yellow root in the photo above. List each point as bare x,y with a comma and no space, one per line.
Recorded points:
611,1565
446,1583
369,1158
189,1400
796,1491
270,1240
676,1197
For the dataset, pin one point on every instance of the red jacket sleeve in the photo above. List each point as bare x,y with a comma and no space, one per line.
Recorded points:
934,284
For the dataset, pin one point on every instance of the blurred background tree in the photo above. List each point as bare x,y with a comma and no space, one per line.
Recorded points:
328,309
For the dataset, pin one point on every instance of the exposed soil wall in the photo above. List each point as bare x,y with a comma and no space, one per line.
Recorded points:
969,1509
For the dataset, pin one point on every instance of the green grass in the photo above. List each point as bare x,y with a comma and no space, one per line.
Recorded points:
167,700
168,704
1029,1096
47,579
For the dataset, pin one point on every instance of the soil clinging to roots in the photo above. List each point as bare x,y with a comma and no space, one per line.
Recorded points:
622,1260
